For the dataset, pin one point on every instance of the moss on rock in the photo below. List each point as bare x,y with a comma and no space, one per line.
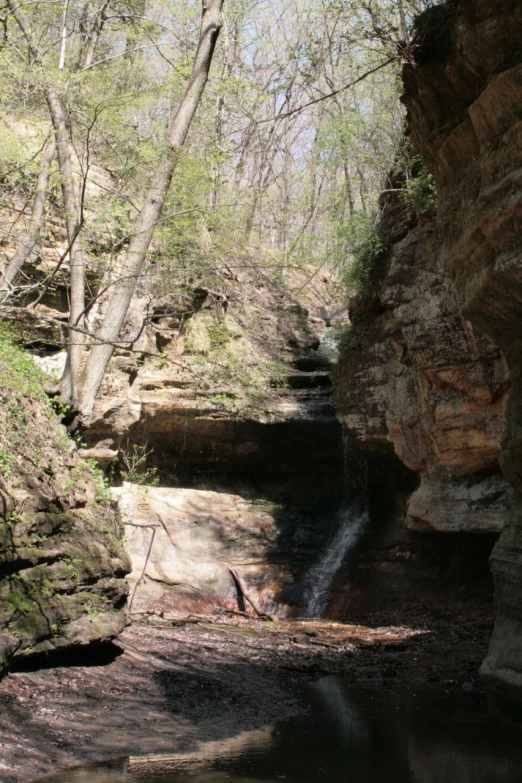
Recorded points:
62,566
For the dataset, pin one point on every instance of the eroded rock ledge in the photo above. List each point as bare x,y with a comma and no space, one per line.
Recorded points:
464,102
225,387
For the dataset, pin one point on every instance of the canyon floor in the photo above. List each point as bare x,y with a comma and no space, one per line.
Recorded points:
170,686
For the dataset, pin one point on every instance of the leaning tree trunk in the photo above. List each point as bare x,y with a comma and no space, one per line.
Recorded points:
108,334
30,238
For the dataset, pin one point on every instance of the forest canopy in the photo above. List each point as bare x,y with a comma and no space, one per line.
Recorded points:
150,143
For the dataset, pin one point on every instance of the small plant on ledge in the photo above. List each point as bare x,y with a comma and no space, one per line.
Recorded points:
135,470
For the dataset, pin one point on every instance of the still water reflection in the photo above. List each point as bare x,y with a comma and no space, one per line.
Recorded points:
349,735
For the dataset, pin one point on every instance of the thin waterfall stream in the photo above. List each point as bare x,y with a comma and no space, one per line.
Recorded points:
320,578
353,518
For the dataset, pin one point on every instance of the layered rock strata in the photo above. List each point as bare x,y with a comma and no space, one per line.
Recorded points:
419,379
222,386
464,102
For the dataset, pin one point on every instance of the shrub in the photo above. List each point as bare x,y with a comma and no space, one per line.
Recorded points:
420,192
366,241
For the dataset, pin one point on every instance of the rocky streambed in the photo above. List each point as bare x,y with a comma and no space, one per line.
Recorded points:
171,686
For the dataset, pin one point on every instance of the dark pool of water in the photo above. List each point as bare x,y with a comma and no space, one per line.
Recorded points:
349,735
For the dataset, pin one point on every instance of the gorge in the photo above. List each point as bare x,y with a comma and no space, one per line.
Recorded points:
251,523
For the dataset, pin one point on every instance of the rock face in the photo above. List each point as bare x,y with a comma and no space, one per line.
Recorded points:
417,378
190,547
464,101
239,386
238,423
225,390
62,567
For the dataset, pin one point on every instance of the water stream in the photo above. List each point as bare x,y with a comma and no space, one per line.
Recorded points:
346,734
352,521
321,576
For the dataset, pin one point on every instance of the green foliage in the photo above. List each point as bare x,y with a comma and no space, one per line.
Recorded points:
227,402
242,179
31,436
160,362
420,191
18,164
135,469
219,335
276,372
366,241
20,380
341,335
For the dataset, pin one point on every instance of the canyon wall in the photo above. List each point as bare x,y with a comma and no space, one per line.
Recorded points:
432,365
418,379
464,102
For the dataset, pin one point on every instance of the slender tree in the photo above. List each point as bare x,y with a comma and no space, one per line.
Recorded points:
72,212
108,334
30,237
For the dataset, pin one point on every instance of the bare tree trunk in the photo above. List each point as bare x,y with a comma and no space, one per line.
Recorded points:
61,65
403,25
309,222
93,36
260,177
69,383
133,37
32,235
225,73
108,334
362,188
285,210
240,167
231,56
72,220
348,184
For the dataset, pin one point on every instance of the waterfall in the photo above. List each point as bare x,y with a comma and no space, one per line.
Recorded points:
353,518
320,578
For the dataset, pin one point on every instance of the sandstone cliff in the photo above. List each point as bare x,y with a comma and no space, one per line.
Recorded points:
421,372
229,382
62,567
464,102
417,378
